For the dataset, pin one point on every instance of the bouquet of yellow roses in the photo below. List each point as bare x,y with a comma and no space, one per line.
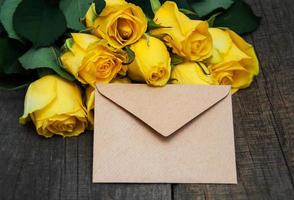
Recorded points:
123,43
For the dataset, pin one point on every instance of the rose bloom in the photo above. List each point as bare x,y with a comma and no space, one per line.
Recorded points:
91,60
55,106
191,73
152,62
120,23
233,61
90,102
187,38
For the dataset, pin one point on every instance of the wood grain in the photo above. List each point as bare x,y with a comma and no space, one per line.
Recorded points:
264,116
35,168
32,167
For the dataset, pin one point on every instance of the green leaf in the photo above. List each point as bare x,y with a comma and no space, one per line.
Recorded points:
131,55
14,82
152,25
44,58
99,5
205,7
39,22
2,31
12,75
155,5
73,11
176,60
6,17
212,19
239,18
67,45
203,68
187,12
44,71
10,51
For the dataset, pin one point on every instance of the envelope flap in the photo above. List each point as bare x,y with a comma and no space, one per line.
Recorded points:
165,109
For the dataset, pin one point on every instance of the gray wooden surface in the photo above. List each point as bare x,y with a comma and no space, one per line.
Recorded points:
34,168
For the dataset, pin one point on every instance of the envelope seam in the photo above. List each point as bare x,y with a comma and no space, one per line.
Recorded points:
162,134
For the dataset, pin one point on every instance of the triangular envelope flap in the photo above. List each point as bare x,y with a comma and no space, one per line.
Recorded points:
164,109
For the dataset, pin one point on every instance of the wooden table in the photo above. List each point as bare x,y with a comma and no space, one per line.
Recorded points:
35,168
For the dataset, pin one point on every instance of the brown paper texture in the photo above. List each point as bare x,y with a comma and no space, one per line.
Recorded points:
173,134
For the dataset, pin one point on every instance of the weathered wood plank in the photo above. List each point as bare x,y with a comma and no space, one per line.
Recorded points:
264,116
278,71
32,167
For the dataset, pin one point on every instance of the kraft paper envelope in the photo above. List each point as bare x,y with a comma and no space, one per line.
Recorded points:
173,134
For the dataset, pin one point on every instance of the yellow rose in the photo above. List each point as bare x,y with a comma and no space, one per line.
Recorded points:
90,102
120,23
55,106
187,38
191,73
91,60
152,62
233,61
